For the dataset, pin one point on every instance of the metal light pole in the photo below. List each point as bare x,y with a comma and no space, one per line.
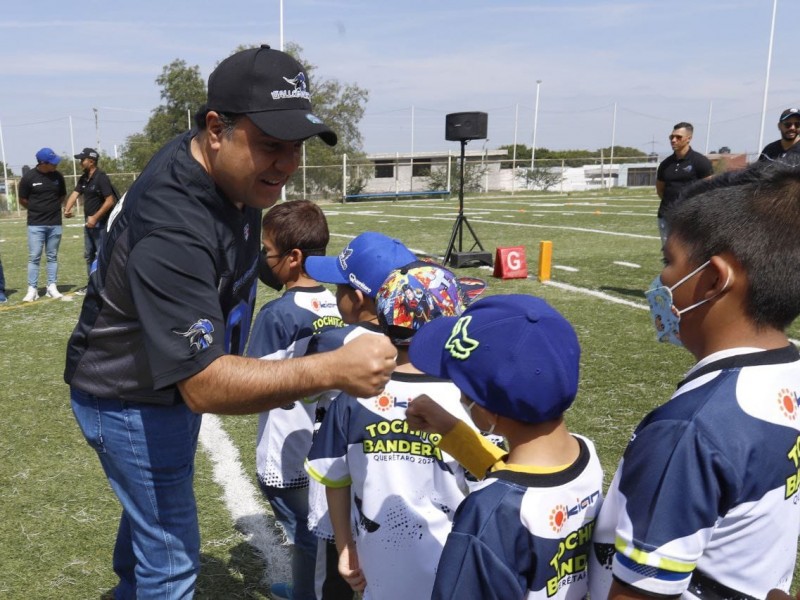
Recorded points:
535,124
766,79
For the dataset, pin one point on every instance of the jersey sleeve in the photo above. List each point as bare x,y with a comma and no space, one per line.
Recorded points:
327,459
269,336
472,566
660,172
24,187
173,282
673,485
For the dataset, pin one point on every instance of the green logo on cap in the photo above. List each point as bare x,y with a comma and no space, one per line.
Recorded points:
459,343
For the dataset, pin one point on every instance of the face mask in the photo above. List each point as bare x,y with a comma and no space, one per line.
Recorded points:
266,274
666,317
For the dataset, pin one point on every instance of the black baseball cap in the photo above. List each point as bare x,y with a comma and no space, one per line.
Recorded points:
271,88
790,112
88,153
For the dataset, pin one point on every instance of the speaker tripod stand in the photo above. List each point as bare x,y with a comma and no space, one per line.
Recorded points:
460,258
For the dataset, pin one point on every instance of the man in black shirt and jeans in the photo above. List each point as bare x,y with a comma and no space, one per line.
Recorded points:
680,169
168,311
98,200
42,191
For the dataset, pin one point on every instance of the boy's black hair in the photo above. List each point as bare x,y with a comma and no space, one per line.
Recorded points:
755,215
299,224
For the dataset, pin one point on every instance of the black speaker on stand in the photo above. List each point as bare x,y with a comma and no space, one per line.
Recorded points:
462,127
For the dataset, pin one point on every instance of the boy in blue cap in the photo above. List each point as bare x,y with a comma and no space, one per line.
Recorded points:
526,533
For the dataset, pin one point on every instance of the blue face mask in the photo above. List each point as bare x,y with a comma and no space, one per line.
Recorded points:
666,317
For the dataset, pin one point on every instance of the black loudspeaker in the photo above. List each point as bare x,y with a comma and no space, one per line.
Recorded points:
465,126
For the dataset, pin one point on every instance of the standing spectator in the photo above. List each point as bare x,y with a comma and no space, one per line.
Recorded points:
42,191
98,200
169,307
789,126
679,170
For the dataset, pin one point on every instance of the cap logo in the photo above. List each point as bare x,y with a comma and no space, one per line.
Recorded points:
298,82
343,256
459,344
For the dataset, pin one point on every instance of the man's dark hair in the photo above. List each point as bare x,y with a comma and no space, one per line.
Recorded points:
754,214
297,224
684,125
228,120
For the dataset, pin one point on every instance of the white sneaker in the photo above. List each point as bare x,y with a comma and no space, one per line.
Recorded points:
52,292
32,294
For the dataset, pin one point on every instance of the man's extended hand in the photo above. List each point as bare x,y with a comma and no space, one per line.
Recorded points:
365,365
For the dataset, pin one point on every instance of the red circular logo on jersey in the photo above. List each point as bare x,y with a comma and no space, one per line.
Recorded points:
787,401
315,304
384,402
558,516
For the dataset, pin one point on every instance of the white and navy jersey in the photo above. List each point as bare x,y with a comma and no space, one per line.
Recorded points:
705,499
174,288
319,522
404,489
284,434
526,534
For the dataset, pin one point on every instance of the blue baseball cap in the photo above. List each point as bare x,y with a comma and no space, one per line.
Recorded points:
363,264
46,155
417,293
514,355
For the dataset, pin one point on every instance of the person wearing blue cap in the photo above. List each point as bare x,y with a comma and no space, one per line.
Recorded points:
527,533
42,191
391,492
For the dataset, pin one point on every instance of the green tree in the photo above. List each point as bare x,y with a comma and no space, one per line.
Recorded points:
183,92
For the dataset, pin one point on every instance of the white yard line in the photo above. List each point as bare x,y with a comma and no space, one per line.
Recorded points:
243,499
622,263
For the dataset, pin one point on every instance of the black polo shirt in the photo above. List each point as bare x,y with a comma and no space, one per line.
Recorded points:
678,173
775,151
44,192
174,287
95,190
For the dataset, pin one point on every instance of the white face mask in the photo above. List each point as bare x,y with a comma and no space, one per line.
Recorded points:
666,317
469,410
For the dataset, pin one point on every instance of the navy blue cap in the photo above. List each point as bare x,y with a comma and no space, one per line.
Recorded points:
514,355
364,264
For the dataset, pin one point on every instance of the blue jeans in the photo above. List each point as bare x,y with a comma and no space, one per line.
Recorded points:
49,238
92,237
147,452
290,506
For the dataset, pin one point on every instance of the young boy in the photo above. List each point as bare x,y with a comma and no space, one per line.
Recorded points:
705,503
291,232
395,485
526,533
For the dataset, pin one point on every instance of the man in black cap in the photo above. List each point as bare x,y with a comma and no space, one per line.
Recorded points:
789,126
98,200
169,307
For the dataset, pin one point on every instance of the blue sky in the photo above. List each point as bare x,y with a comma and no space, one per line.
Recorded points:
660,62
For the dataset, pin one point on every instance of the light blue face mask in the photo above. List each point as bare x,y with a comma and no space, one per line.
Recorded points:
666,317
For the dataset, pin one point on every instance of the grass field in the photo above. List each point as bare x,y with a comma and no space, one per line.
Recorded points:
59,516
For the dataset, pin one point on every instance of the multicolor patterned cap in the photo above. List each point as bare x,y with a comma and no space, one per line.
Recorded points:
418,293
